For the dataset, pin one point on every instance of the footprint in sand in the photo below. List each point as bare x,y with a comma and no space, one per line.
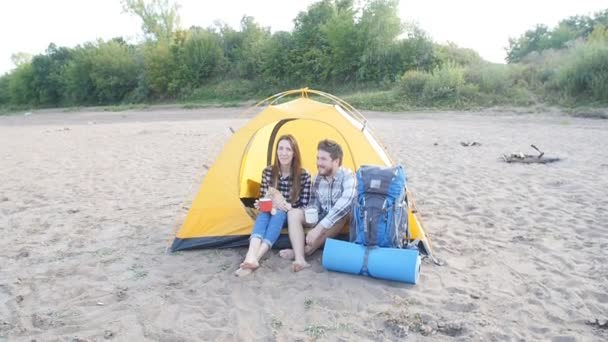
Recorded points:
121,293
461,307
46,321
23,254
600,297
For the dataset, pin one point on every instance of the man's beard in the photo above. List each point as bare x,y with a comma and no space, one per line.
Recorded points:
325,171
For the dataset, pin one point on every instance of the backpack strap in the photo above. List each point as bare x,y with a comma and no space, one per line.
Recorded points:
364,270
365,228
407,218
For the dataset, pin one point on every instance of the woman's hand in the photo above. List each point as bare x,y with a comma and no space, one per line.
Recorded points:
256,204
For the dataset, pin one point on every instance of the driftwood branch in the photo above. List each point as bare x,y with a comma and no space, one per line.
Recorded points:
539,151
520,157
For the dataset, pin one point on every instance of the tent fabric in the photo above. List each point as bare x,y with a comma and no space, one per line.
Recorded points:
218,216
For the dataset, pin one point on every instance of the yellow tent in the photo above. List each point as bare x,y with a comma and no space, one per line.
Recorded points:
219,217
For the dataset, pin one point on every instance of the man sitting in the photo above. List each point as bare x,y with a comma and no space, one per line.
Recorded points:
332,195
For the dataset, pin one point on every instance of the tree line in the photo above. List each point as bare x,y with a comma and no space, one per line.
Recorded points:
334,45
567,31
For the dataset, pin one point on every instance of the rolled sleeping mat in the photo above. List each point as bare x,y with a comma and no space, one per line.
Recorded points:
394,264
342,256
384,263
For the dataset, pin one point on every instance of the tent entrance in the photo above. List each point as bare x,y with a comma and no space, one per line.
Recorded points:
261,150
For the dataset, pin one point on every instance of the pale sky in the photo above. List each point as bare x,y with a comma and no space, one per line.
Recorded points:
485,26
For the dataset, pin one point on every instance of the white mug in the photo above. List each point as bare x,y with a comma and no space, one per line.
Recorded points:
311,215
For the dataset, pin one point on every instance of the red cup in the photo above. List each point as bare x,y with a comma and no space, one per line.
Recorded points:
265,205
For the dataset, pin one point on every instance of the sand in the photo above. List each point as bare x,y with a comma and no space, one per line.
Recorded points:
88,202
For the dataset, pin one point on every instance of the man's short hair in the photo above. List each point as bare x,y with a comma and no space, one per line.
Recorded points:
333,148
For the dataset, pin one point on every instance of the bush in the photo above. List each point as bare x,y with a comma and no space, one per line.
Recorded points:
451,53
445,83
412,83
521,96
584,72
377,100
159,69
490,78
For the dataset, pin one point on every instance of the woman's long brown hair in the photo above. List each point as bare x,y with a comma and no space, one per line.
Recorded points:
296,167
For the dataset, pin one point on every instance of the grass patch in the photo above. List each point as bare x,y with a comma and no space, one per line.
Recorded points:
195,105
589,112
276,324
14,109
138,271
104,252
316,331
124,107
447,88
72,109
224,267
384,100
226,91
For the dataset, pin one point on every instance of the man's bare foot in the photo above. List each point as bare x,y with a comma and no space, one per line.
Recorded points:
250,264
242,272
287,254
297,266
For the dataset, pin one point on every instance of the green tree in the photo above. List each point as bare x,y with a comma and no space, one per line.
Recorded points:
20,85
5,95
101,73
19,58
276,64
200,57
379,28
113,71
160,18
599,34
416,52
251,51
578,25
310,56
532,40
47,69
341,34
79,87
542,38
452,53
160,67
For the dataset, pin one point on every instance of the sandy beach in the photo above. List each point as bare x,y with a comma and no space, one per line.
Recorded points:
89,201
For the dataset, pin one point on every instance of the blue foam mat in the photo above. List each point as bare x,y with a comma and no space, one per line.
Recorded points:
384,263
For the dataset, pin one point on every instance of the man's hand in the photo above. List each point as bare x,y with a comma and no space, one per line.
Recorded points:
314,234
284,206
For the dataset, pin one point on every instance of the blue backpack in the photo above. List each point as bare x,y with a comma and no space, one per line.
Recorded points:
380,211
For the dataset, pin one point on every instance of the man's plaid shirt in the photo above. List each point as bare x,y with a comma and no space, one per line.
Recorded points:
284,186
333,199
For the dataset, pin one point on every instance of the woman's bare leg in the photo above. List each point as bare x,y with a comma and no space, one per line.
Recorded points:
251,259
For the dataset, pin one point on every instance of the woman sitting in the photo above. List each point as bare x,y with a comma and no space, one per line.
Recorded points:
287,184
